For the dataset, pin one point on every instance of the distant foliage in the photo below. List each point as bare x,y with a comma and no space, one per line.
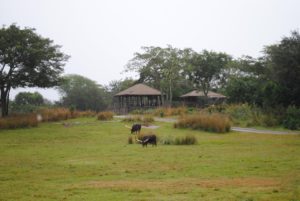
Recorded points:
21,121
208,122
292,118
105,116
247,115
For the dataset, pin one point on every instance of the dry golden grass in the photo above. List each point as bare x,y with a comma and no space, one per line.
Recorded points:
145,121
169,111
180,184
209,122
105,116
20,121
55,114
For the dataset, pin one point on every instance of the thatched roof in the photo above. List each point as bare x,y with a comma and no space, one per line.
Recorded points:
139,90
196,93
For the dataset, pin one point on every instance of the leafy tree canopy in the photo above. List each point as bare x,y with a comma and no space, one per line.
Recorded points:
283,61
82,93
28,98
27,60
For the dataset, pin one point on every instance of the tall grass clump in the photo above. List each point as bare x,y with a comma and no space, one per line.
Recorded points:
19,121
169,111
87,113
55,114
133,119
208,122
105,116
130,140
145,120
187,140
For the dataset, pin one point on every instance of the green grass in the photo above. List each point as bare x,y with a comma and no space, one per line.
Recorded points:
92,160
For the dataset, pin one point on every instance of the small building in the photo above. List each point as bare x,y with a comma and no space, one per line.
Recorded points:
139,96
197,98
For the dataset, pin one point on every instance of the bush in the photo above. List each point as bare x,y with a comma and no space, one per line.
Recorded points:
209,122
292,118
20,121
105,116
239,111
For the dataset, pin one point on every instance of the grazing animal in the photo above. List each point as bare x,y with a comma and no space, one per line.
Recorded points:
136,128
148,139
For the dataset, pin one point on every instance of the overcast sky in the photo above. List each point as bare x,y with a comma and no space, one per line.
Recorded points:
101,36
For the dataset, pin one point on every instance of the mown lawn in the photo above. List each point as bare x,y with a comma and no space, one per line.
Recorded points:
91,160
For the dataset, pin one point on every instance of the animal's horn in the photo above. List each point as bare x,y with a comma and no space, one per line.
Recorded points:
127,126
139,140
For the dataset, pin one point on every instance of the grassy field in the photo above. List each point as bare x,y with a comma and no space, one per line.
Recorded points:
91,160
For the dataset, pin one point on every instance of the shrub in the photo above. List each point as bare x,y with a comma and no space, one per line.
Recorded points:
20,121
292,118
208,122
239,111
105,116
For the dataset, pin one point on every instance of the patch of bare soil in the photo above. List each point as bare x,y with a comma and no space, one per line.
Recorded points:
181,184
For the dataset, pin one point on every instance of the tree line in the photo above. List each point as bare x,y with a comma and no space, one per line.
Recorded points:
272,80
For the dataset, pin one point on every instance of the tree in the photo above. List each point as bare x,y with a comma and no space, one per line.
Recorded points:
160,68
283,62
26,102
205,68
28,98
82,93
27,60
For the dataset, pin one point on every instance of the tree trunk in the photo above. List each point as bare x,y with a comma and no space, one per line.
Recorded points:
4,102
171,94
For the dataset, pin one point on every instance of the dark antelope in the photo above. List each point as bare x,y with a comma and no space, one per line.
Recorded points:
147,139
136,128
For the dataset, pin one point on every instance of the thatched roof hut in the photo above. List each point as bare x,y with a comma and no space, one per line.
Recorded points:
139,90
139,96
196,93
197,98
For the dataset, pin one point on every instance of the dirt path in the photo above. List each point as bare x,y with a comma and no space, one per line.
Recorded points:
239,129
253,130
